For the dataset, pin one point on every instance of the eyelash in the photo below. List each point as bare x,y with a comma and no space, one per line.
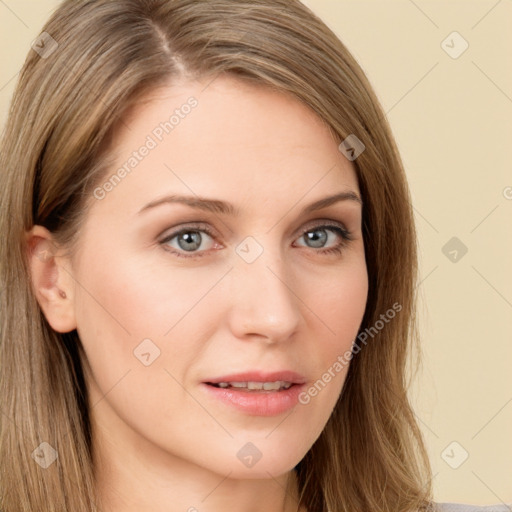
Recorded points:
346,237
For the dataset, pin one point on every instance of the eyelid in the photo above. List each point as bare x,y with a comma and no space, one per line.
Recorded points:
203,226
324,223
188,226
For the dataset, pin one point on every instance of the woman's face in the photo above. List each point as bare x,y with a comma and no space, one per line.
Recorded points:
203,272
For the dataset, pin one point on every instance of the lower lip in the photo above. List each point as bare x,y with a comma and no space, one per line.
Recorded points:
258,403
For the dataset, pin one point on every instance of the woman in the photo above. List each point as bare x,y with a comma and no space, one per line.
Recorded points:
208,266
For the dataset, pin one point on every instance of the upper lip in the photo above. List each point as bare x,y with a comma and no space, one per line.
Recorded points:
260,376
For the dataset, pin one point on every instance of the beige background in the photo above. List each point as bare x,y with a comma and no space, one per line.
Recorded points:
453,122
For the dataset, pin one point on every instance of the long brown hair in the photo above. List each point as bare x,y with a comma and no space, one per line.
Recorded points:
105,55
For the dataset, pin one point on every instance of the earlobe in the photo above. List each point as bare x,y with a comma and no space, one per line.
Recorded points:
52,281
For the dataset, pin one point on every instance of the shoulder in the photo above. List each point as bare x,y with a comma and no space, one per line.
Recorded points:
461,507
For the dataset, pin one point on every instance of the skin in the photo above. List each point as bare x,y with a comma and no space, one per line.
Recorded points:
161,443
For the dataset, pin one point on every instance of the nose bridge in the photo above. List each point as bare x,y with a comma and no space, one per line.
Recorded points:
263,302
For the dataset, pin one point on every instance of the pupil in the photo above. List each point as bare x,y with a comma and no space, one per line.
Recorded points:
191,237
318,240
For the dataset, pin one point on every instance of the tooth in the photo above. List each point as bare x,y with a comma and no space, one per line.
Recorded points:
255,385
238,384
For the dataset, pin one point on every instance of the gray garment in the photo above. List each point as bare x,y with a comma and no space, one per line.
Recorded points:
460,507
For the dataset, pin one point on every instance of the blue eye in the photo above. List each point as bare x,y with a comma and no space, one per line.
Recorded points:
318,236
187,240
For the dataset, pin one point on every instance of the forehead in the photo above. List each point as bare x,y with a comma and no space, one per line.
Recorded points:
227,139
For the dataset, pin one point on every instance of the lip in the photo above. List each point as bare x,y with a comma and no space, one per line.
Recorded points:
257,403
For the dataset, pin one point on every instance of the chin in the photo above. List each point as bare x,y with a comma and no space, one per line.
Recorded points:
256,458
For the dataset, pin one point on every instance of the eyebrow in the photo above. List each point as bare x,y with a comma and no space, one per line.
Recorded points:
222,207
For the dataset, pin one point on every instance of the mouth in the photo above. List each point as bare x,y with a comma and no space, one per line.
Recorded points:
252,386
257,393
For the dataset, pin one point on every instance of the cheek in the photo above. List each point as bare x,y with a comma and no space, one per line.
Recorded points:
137,327
123,304
136,300
340,305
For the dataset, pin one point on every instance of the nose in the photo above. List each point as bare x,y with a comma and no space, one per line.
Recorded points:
263,301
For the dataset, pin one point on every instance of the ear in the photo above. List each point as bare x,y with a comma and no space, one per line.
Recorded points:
52,279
